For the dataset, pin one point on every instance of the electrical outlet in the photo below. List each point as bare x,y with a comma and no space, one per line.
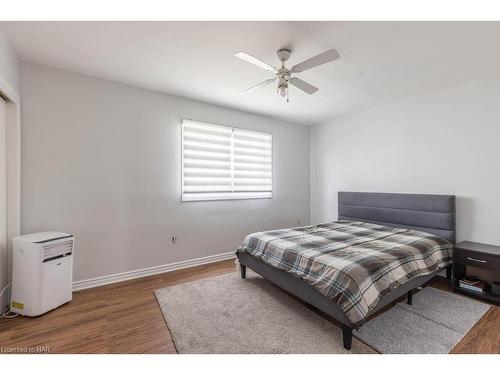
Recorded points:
174,239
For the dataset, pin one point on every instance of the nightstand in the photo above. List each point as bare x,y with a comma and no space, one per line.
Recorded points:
478,255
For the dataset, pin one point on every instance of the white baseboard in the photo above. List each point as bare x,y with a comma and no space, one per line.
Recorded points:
123,276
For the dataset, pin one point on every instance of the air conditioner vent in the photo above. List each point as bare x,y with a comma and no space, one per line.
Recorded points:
57,250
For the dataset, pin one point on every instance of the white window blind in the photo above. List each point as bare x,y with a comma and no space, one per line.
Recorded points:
221,162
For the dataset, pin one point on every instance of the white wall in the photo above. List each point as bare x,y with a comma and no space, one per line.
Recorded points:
102,160
443,142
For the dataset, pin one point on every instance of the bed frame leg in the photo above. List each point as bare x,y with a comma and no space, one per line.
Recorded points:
243,271
347,336
448,271
410,298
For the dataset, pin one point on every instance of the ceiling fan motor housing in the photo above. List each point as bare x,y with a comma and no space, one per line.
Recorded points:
283,77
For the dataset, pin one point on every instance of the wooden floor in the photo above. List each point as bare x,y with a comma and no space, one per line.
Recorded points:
125,318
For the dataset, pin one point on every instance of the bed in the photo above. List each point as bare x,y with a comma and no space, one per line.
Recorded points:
382,247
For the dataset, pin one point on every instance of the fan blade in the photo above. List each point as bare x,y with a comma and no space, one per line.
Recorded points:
304,86
265,83
253,60
320,59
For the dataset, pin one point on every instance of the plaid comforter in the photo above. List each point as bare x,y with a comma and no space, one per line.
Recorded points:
353,263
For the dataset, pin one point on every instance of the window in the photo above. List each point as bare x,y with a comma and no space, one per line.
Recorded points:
221,162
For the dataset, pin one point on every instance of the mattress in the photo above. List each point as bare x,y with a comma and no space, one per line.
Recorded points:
353,263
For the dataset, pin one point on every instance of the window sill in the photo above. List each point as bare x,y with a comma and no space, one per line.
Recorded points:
224,198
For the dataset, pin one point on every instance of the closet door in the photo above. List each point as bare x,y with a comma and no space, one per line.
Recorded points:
3,197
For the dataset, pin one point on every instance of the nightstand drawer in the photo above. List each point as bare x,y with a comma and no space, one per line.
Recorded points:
473,258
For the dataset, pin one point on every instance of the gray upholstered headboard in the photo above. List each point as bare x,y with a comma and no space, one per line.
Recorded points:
424,212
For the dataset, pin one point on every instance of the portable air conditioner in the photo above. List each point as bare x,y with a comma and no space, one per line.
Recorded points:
42,268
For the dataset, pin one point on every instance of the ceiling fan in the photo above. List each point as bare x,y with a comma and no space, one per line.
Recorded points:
284,75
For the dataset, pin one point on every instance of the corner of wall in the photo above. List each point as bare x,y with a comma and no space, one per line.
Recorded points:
9,86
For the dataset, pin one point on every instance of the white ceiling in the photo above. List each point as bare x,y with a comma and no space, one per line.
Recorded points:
380,61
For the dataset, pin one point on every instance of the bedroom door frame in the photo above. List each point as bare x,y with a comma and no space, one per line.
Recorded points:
3,192
13,179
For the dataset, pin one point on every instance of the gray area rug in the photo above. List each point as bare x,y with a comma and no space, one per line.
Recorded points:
226,314
434,324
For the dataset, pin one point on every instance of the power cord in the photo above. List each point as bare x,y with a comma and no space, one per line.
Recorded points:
6,311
